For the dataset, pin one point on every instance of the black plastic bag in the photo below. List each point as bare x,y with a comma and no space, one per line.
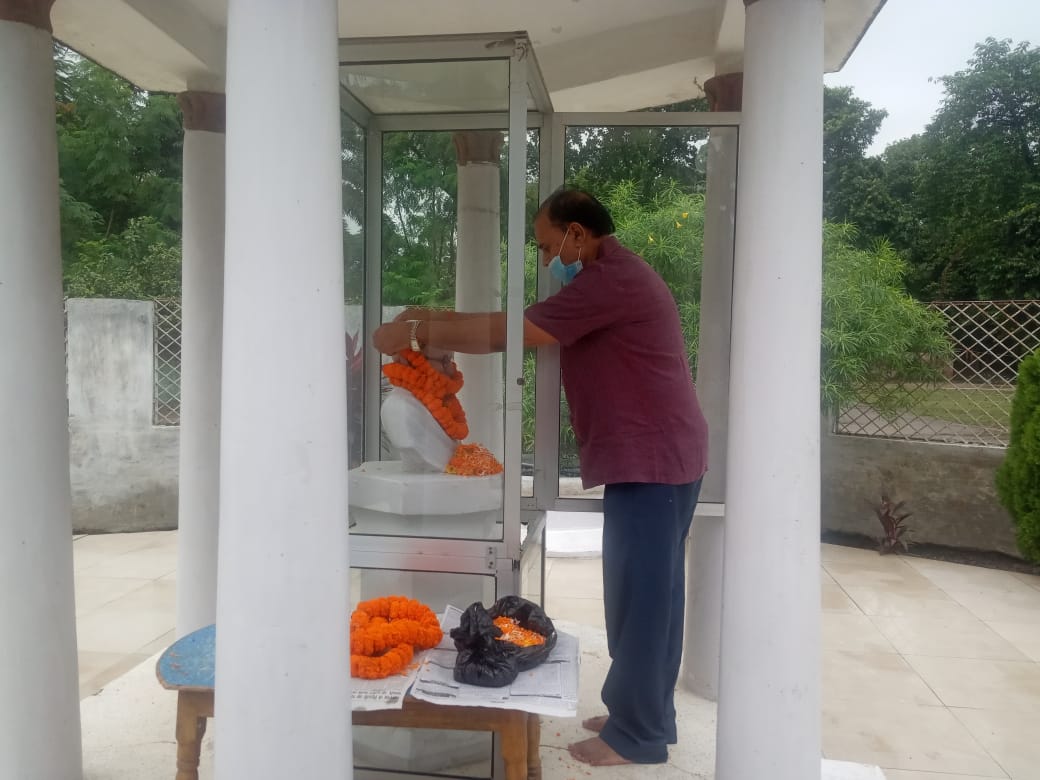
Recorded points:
532,617
485,660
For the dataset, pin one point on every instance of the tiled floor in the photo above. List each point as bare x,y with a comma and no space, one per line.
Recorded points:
930,670
125,602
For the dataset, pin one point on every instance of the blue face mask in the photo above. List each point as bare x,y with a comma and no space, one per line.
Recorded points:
565,273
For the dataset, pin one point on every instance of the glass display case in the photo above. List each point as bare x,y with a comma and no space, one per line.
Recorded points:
448,146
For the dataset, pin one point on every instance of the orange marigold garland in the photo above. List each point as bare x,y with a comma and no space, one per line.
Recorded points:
437,392
385,632
434,390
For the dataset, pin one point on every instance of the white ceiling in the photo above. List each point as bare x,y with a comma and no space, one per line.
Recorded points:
595,55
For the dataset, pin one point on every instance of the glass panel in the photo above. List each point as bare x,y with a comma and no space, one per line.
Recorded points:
429,87
653,181
353,175
443,231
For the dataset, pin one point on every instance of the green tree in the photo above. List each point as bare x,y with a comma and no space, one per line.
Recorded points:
141,261
420,179
649,158
119,152
853,186
974,187
1018,479
874,333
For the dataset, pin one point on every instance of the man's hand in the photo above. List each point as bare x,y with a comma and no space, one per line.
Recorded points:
415,313
391,338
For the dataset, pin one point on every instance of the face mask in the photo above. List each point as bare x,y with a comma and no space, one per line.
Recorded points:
565,273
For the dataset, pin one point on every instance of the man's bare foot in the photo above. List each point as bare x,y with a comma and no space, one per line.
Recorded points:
595,752
595,724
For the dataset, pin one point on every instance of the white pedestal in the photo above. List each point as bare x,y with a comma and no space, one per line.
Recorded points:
387,501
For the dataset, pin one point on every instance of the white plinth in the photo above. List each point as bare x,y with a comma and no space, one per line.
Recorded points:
387,500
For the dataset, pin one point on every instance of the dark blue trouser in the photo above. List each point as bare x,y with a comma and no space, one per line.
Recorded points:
644,597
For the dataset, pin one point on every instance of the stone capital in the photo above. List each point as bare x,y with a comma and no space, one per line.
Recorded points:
724,92
36,13
478,146
203,111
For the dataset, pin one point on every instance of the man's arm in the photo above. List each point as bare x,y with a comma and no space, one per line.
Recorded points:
439,315
470,334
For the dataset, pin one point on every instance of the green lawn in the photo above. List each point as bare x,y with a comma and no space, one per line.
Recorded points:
965,404
983,406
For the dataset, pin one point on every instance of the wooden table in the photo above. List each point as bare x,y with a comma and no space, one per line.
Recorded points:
188,665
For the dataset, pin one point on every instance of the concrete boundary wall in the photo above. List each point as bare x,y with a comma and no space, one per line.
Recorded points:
949,488
124,469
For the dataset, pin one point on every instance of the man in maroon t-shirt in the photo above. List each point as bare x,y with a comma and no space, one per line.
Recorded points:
640,432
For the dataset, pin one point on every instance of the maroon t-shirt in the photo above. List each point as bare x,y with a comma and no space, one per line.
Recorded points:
633,406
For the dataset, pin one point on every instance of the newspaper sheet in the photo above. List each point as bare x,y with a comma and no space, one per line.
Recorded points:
551,688
385,694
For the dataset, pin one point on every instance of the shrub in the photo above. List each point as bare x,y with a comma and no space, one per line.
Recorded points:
1018,479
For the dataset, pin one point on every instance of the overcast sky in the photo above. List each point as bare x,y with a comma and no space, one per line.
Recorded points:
912,40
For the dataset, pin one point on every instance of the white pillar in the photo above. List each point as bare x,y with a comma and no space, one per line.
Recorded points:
39,685
769,682
202,306
282,595
478,277
704,585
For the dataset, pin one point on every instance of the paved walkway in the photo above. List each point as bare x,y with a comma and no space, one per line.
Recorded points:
930,669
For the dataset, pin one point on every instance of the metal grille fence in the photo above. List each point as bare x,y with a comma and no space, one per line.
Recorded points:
166,351
972,403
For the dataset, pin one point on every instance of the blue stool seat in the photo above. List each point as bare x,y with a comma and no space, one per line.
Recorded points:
189,663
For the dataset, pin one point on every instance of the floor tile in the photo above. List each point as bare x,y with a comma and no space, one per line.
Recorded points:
986,684
1029,579
577,578
897,575
825,578
96,670
587,611
94,592
957,576
1018,605
848,631
160,644
1010,737
114,630
146,563
952,637
891,734
855,677
835,599
834,553
115,544
1024,636
893,602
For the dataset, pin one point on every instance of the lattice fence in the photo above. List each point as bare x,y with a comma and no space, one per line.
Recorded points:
166,350
972,403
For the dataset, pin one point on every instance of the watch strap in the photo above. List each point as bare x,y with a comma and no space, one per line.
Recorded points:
413,337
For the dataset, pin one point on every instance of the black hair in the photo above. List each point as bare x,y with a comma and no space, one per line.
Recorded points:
568,205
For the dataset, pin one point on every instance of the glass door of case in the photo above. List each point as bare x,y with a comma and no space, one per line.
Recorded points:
444,228
669,181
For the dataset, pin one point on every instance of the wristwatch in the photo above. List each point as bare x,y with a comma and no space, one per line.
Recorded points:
413,339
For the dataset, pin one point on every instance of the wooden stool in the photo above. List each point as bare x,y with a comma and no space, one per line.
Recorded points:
188,665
